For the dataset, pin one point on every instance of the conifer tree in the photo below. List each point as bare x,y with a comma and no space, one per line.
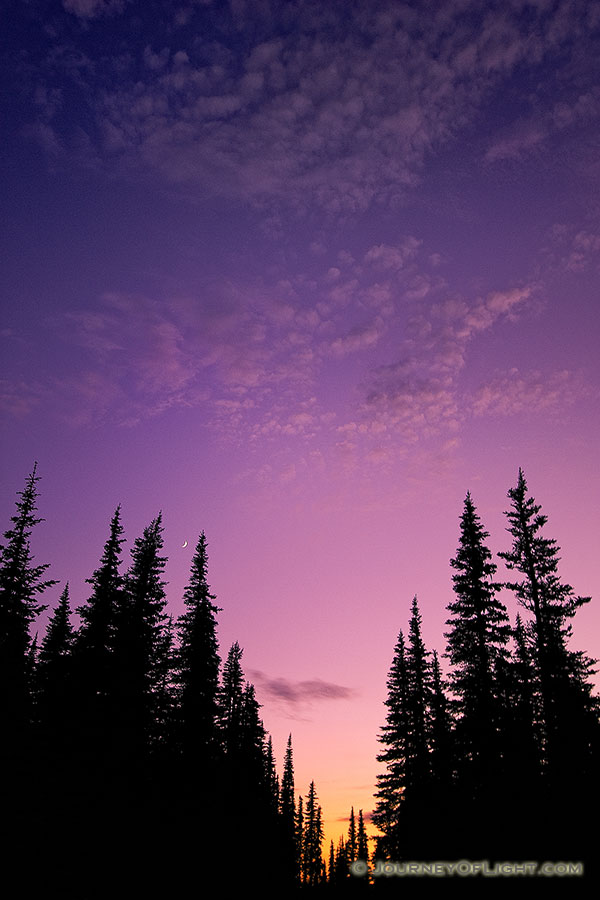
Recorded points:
418,705
441,743
331,870
96,681
252,751
140,642
198,665
288,812
479,630
568,717
287,803
55,716
342,859
362,841
243,734
313,839
351,843
96,635
230,699
395,735
272,779
299,842
54,667
21,584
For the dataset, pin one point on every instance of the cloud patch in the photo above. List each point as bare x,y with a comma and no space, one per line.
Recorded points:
516,393
93,9
321,109
299,693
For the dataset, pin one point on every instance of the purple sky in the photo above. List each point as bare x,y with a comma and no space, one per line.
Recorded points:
300,274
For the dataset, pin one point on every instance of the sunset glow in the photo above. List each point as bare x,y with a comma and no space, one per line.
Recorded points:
300,275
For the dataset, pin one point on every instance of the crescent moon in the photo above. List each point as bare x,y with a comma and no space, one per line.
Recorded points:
185,543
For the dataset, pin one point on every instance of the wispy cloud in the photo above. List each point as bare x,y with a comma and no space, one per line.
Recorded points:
322,108
517,393
92,9
299,693
19,398
528,136
418,394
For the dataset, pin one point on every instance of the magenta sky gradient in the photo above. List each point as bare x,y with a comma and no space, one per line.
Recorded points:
301,277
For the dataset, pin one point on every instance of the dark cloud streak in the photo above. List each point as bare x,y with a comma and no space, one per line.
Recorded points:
299,692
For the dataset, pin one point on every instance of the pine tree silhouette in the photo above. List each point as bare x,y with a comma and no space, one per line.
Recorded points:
94,665
395,736
479,631
21,584
231,698
141,624
351,844
53,671
441,739
362,847
418,678
563,677
299,829
555,683
287,807
272,778
312,869
198,664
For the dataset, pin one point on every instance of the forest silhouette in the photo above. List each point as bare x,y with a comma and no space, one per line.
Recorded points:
135,761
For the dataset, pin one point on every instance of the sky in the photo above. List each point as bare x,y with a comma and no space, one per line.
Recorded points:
300,275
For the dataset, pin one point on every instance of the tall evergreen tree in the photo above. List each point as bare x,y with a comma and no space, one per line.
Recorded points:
341,863
243,737
230,698
478,633
287,807
313,839
404,790
252,750
441,741
96,685
140,643
286,797
272,779
198,664
362,841
331,869
418,693
95,639
299,841
395,736
54,667
568,718
55,717
21,585
351,843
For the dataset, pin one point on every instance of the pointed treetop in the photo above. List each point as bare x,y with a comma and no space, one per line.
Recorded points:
198,589
20,581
